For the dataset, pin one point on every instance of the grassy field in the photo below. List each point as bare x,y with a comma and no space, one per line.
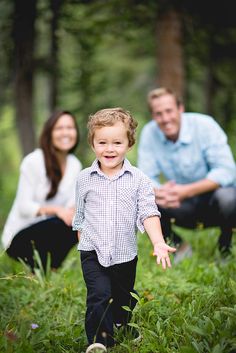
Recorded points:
190,308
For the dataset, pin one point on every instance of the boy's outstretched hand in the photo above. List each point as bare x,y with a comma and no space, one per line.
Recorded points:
161,251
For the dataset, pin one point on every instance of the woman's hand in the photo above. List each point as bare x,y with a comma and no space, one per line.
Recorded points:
66,214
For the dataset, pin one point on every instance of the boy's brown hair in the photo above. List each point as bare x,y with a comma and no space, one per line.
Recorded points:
108,117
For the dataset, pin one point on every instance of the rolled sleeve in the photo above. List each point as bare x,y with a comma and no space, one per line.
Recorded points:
78,219
147,206
220,159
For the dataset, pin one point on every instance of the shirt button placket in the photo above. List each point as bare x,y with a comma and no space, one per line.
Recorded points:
112,220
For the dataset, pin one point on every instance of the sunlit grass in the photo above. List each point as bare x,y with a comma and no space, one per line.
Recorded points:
189,308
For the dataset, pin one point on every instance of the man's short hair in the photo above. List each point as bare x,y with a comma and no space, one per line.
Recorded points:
162,91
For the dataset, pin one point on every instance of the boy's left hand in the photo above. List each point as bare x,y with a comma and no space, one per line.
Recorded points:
161,251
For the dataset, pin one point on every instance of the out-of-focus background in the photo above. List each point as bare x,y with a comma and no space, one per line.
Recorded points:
87,55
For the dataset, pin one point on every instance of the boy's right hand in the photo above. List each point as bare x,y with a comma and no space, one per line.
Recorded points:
161,251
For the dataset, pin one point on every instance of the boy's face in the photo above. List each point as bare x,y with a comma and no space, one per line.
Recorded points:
110,145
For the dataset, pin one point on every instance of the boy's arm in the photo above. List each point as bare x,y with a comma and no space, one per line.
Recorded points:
78,234
152,226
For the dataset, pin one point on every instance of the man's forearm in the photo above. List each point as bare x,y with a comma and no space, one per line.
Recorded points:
198,188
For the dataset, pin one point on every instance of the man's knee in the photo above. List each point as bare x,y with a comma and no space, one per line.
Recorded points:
225,199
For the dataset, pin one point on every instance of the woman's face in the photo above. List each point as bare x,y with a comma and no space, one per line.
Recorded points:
64,134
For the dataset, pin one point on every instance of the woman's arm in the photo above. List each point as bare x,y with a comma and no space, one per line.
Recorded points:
66,214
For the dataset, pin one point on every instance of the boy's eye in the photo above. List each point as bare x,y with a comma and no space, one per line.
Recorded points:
101,143
117,142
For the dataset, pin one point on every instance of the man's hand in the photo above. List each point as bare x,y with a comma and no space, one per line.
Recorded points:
161,251
170,194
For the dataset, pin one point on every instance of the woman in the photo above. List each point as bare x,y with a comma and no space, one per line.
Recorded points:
42,212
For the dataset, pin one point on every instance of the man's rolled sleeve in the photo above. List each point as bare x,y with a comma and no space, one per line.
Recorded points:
223,177
220,159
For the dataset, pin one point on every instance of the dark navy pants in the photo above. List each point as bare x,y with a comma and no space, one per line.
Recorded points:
51,237
213,209
108,289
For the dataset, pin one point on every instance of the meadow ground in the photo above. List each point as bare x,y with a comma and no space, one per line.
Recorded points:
190,308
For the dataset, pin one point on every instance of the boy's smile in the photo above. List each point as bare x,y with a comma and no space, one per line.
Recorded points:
110,145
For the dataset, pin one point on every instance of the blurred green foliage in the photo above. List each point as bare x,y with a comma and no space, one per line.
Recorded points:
107,57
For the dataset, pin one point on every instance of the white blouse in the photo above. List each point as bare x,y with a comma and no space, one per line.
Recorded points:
32,190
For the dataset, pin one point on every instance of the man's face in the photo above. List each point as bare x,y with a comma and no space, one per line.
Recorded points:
167,115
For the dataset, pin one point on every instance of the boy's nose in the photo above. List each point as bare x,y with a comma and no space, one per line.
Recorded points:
110,147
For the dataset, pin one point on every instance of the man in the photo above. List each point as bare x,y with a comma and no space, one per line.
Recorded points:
192,168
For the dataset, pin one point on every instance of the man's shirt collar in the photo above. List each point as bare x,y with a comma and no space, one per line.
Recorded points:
184,134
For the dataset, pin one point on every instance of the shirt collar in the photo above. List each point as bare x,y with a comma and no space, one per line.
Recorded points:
127,167
185,136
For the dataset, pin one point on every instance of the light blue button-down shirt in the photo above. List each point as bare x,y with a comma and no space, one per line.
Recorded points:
201,151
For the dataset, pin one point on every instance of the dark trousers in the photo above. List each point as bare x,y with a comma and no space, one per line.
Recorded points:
217,208
51,237
108,289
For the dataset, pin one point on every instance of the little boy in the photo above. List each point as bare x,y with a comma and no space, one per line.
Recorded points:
113,199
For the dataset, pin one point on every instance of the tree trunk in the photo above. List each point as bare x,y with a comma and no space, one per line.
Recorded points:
24,36
53,60
170,55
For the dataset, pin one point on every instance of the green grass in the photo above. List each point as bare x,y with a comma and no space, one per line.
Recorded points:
190,308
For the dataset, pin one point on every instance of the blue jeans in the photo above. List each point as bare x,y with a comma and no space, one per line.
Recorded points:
213,209
108,289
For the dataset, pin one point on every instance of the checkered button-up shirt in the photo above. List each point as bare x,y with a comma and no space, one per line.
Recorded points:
110,210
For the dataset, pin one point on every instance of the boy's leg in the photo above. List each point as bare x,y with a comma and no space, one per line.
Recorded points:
122,282
98,319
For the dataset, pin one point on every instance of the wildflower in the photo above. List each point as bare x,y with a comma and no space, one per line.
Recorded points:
34,326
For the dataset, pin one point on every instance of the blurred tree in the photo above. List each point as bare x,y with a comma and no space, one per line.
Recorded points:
55,6
24,40
6,15
169,39
210,52
94,53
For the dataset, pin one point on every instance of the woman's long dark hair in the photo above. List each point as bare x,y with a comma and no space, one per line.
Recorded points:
52,165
